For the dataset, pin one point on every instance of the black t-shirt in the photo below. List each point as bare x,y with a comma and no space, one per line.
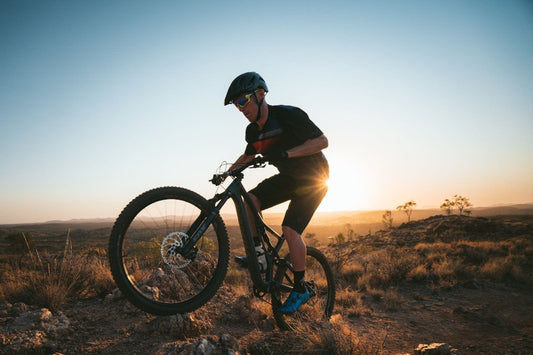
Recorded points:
285,128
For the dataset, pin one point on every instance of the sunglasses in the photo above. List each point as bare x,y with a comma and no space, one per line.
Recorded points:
243,101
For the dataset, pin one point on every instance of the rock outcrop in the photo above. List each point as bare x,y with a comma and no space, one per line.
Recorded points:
29,329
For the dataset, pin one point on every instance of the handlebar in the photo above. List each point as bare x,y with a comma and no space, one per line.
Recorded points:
257,162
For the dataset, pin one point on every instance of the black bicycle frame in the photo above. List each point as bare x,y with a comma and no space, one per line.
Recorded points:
238,194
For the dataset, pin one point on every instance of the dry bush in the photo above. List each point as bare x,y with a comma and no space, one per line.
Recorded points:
340,255
506,269
386,268
462,262
418,273
12,285
351,303
50,280
334,337
97,278
392,300
376,293
432,250
237,276
351,272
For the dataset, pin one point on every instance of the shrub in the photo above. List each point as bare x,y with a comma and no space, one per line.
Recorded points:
334,337
351,302
385,268
50,280
505,269
392,300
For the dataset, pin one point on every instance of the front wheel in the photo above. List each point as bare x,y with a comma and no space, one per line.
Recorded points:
145,252
320,281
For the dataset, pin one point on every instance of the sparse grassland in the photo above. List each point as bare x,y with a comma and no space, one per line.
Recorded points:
382,263
51,279
375,275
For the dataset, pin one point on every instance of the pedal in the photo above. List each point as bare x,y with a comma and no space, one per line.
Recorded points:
242,261
311,288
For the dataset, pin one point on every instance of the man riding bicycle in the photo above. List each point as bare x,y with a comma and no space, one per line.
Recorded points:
290,141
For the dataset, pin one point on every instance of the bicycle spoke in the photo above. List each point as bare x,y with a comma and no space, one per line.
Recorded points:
145,252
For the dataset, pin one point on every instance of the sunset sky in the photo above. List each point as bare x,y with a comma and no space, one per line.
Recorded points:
420,100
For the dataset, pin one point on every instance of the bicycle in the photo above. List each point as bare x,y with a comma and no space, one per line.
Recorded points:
169,253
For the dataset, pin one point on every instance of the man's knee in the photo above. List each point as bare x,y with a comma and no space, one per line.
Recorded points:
255,201
290,233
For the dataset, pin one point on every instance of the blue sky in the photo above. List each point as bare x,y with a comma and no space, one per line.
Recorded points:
420,100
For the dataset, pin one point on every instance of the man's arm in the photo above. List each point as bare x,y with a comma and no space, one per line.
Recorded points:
310,147
243,159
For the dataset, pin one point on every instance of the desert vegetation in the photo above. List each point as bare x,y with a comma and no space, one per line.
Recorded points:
386,274
48,279
407,208
462,204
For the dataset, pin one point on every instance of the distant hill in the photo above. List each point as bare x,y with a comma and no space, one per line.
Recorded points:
359,221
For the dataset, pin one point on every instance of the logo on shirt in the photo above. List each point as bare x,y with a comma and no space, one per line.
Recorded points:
267,140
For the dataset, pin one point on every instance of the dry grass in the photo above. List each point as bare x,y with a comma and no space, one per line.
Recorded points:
461,262
368,274
375,269
440,264
351,303
49,280
237,276
333,337
384,268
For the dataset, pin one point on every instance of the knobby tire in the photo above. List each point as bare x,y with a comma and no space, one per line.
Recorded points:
320,306
143,264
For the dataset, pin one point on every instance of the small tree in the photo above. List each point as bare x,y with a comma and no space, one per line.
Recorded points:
407,208
462,204
447,205
349,231
386,219
339,238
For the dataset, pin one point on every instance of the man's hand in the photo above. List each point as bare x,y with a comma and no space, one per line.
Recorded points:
276,155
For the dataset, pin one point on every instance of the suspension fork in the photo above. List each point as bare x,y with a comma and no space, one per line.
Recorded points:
202,222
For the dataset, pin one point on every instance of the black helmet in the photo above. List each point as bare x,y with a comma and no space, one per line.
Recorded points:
244,83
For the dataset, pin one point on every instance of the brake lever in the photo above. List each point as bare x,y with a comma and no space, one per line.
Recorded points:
260,162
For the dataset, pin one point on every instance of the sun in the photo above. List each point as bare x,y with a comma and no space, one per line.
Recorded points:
347,187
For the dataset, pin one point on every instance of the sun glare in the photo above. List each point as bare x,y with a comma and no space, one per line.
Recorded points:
346,188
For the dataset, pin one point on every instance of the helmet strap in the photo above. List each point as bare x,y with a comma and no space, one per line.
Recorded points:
259,105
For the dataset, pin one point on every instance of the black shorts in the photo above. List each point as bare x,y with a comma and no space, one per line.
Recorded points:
304,195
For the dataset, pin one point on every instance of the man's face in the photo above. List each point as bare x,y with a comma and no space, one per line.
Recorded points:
247,104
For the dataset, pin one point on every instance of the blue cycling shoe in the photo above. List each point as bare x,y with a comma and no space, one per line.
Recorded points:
295,300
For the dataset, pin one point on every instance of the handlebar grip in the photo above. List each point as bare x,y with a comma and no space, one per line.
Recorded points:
217,179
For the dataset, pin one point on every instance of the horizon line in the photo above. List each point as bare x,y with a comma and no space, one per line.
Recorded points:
231,214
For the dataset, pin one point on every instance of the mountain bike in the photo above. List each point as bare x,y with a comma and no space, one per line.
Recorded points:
169,253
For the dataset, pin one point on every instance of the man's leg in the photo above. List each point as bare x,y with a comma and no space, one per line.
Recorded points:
298,251
296,247
298,215
299,294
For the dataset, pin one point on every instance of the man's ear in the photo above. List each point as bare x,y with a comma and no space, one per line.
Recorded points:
260,94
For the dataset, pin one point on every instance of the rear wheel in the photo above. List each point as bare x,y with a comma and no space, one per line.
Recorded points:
145,252
320,281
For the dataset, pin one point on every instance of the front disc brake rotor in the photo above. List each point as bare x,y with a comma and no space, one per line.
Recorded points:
170,250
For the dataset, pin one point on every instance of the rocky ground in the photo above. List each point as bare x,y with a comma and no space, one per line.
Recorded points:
477,318
482,321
